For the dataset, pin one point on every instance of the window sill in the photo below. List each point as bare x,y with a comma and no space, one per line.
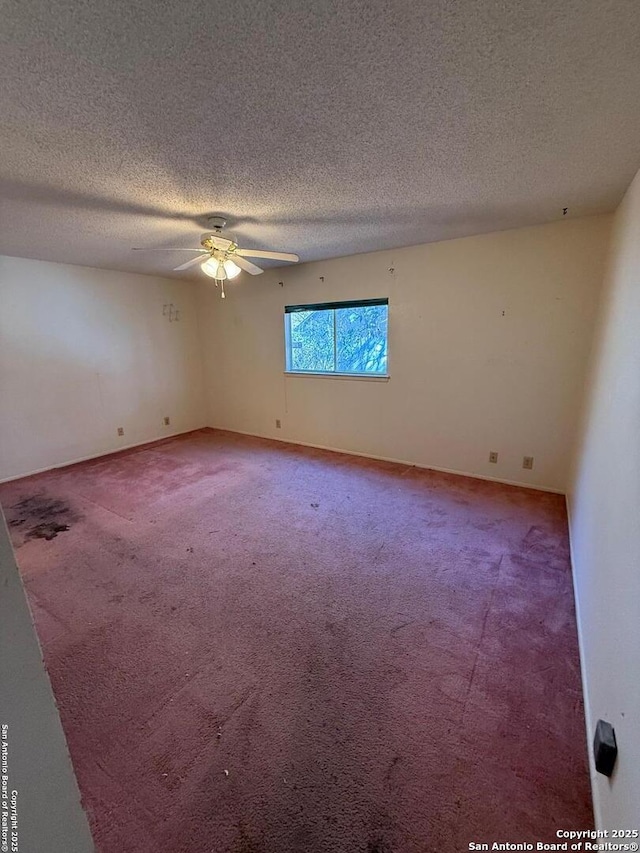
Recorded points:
367,377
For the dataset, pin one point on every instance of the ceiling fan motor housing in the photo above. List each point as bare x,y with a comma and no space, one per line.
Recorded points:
208,238
214,240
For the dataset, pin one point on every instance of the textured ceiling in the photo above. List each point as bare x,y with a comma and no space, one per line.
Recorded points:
323,128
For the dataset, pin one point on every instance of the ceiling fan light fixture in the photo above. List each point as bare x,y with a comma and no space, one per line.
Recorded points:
219,269
210,267
214,268
232,269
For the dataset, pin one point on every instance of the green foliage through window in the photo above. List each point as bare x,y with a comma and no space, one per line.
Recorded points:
347,337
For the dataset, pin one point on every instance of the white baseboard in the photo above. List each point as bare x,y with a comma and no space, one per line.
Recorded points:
98,455
392,459
588,720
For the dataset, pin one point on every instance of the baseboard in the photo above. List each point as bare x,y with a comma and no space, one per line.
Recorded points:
392,459
113,452
595,799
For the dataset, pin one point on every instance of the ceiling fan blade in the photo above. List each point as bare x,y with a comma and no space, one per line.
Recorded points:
263,253
246,265
165,249
190,263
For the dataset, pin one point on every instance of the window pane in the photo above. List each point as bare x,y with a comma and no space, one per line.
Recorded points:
311,338
361,339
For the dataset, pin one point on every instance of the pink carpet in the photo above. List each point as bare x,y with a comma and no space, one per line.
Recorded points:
261,648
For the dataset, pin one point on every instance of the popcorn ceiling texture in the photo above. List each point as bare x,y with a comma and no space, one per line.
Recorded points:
326,129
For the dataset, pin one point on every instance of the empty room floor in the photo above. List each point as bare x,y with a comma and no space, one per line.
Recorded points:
263,648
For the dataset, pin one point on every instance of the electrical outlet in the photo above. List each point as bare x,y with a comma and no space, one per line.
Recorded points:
493,456
527,462
120,430
278,424
167,421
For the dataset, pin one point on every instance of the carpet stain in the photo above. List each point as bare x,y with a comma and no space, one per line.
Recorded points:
378,846
40,517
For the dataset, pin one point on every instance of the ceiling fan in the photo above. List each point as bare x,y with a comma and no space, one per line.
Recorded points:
221,258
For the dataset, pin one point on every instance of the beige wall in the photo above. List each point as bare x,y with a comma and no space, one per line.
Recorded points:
604,503
84,351
488,338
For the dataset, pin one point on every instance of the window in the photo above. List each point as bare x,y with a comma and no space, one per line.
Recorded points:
337,337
